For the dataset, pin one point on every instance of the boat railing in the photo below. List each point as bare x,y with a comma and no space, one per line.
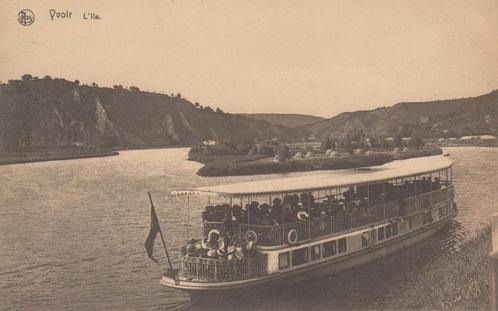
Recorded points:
222,270
274,235
426,200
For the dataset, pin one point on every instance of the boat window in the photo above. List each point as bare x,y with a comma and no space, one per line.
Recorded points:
329,248
389,231
429,217
315,252
300,256
380,233
283,260
342,245
365,239
395,228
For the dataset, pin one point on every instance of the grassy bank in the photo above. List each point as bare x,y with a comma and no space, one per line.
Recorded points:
6,159
460,282
246,165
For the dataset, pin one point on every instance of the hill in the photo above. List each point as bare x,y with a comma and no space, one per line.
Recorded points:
40,113
443,118
289,120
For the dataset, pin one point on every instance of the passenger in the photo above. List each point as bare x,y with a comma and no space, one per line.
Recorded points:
254,213
289,215
231,251
288,199
437,184
295,200
276,213
191,249
265,210
239,251
219,212
227,219
209,247
304,199
208,213
237,212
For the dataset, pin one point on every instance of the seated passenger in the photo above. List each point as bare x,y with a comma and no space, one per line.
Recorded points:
254,213
276,213
219,212
237,212
437,184
265,214
289,214
208,213
227,219
304,199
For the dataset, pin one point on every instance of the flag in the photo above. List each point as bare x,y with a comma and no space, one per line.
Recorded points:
154,229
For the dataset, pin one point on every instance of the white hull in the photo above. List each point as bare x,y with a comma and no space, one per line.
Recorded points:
319,269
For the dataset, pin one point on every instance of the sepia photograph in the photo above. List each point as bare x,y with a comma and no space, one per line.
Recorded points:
248,155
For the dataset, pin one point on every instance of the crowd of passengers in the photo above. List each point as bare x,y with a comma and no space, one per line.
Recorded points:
293,208
227,244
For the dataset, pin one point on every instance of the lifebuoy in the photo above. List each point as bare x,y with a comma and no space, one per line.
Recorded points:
251,236
210,235
302,215
292,236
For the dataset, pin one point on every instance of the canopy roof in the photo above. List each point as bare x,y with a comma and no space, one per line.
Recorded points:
326,179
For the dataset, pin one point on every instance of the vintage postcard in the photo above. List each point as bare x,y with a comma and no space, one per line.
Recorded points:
248,155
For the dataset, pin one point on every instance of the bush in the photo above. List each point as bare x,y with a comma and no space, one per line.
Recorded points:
232,167
283,153
425,152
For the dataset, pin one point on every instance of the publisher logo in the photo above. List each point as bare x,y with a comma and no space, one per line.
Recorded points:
26,17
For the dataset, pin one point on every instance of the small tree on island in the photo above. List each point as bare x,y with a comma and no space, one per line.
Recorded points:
328,143
398,142
418,142
283,153
26,77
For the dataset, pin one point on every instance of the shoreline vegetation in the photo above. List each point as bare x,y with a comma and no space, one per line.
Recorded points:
461,283
253,163
42,156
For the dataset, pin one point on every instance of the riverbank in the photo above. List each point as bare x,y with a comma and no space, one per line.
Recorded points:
245,165
43,156
457,282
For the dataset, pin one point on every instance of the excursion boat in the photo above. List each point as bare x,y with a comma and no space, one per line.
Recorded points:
291,229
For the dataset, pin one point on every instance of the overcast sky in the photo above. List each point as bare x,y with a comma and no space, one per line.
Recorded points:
313,57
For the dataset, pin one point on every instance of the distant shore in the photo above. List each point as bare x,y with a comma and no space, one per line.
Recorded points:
44,157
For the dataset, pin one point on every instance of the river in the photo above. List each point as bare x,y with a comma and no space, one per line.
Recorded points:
72,234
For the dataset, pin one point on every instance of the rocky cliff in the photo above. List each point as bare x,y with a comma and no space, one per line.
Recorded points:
55,112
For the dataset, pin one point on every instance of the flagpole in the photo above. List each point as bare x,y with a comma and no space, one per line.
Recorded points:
161,233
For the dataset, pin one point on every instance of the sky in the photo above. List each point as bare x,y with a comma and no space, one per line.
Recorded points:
310,57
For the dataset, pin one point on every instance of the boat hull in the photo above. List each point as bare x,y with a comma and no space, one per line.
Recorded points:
314,271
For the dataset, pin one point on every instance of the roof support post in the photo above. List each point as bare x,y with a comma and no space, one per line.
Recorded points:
309,214
283,222
384,195
368,203
430,188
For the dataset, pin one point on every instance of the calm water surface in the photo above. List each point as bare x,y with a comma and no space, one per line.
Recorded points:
72,233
